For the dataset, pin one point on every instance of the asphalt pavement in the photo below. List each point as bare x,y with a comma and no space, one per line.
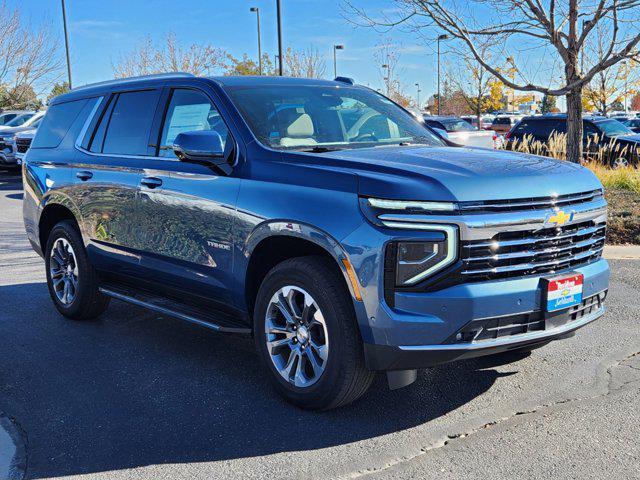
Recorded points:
136,395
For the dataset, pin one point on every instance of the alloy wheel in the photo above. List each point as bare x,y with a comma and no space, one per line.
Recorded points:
296,336
63,270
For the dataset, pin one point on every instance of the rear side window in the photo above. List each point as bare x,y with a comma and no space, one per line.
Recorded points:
127,123
53,127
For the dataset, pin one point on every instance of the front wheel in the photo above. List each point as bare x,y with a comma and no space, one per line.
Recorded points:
72,280
307,336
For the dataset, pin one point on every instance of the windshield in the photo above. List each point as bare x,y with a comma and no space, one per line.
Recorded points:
19,120
613,128
457,126
315,117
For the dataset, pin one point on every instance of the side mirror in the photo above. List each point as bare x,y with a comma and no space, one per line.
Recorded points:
201,146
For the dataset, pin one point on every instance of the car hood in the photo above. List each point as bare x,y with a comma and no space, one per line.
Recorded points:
455,173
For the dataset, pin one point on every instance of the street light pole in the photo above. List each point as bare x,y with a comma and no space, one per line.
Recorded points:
257,10
279,12
418,94
440,37
66,42
335,64
387,79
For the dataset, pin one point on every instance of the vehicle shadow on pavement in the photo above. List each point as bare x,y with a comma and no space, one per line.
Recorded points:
133,389
9,180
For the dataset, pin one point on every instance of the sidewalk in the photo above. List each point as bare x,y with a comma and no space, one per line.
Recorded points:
622,252
8,452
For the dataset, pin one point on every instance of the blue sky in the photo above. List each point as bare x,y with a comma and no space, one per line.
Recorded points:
102,30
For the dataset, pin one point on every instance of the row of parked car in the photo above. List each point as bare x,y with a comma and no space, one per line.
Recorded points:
17,129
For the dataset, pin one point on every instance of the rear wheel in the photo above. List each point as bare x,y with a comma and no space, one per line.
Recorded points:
72,281
306,333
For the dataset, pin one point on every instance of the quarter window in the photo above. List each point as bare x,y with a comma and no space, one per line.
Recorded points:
188,111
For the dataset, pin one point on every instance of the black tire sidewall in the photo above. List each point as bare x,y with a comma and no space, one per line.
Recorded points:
69,232
314,284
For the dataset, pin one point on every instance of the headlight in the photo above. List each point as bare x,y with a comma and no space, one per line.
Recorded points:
411,205
416,260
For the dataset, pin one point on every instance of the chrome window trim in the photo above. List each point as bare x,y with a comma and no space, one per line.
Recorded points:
92,114
451,234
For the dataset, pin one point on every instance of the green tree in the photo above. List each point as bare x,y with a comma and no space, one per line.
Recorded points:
548,103
22,97
58,89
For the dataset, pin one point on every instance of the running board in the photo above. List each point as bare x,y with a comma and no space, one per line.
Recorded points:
153,303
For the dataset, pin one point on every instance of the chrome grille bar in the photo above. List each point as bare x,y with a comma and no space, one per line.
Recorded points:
533,253
535,265
529,204
532,240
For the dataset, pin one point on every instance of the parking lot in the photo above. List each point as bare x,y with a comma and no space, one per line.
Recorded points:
134,395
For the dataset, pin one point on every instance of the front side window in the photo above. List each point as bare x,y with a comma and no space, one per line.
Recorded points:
128,127
189,110
308,117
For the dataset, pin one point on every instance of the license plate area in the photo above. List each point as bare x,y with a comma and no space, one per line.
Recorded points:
562,292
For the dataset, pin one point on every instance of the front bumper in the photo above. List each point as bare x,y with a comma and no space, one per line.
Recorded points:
554,327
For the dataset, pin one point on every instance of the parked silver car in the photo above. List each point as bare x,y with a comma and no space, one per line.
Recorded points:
7,116
462,132
7,137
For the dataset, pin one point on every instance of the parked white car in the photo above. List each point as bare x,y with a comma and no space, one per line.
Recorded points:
462,132
22,143
7,137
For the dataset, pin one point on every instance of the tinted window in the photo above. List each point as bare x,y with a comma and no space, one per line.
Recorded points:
20,119
613,128
539,128
189,110
130,123
7,117
56,123
434,124
458,126
502,121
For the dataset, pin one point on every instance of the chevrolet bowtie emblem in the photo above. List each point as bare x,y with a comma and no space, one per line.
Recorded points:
559,218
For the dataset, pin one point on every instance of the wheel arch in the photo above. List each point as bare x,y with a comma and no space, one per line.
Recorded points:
273,242
52,214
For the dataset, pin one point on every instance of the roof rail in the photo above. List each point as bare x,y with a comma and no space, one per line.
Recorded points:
347,80
116,81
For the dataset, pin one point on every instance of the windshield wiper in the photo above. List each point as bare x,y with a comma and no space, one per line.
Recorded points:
320,149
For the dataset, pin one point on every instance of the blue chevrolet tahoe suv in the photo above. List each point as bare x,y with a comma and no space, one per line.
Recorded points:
319,217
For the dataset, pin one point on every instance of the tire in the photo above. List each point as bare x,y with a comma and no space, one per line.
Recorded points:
332,334
69,264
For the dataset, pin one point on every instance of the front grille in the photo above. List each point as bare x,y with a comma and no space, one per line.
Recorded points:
533,203
532,252
23,144
522,323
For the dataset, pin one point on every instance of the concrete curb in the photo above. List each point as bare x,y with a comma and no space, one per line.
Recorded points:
622,252
12,451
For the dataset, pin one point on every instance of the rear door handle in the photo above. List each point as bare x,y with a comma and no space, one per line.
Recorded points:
151,182
84,175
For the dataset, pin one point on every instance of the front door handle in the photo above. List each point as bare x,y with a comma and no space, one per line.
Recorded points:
151,182
84,175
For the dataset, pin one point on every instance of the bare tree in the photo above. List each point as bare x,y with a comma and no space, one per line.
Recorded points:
149,58
387,56
304,63
560,28
610,85
29,59
473,82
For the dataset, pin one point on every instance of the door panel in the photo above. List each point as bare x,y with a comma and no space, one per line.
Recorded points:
109,205
188,236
